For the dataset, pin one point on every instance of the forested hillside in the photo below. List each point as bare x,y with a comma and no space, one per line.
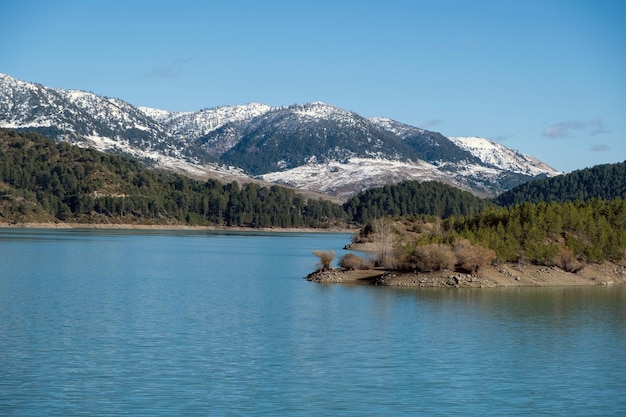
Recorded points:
606,181
568,235
41,180
545,233
441,200
413,197
586,224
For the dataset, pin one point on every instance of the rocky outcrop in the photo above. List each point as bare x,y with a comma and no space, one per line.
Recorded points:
346,276
506,275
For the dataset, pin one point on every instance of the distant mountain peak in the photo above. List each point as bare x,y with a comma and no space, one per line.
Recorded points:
313,145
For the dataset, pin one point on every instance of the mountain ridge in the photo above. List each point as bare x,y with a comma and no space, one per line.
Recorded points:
312,146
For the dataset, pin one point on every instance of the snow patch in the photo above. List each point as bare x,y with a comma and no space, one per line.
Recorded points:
344,179
315,110
192,125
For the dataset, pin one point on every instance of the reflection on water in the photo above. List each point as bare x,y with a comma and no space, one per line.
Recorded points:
177,323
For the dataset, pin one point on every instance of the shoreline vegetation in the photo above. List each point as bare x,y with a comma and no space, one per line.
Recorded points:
409,253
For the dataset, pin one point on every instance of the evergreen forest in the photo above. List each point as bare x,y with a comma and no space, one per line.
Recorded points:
545,233
606,181
413,197
564,221
41,180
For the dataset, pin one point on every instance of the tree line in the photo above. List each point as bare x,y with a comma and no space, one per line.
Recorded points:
605,181
413,197
41,179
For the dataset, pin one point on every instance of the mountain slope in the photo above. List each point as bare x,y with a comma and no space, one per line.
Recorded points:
288,137
429,146
193,125
313,146
106,124
496,155
344,179
24,105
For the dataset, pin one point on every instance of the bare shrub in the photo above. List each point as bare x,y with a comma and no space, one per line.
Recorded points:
470,258
326,258
434,257
383,234
391,262
352,261
566,260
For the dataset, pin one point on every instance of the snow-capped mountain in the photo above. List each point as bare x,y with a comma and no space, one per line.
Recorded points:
494,154
25,105
288,137
192,125
312,146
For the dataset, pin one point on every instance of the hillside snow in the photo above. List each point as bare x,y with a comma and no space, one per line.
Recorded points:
499,156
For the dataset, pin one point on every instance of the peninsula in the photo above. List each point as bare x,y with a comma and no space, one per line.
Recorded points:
529,245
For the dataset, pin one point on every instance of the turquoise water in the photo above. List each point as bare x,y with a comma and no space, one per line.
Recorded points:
195,323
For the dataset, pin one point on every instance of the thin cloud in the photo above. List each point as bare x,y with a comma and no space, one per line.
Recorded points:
430,123
172,70
600,148
563,129
597,126
571,128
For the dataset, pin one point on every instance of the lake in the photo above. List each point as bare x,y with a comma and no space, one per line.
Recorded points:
155,323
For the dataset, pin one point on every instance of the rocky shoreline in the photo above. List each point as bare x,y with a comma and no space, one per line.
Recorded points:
506,275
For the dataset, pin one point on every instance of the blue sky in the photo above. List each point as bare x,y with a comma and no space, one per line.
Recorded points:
547,78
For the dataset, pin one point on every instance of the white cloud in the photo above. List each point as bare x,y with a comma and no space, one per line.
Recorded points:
430,123
563,129
570,128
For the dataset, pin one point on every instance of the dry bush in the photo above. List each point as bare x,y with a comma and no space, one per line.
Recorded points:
470,258
434,257
352,261
406,256
390,262
383,235
326,258
566,260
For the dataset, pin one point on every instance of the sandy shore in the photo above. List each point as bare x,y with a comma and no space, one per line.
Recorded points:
507,275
